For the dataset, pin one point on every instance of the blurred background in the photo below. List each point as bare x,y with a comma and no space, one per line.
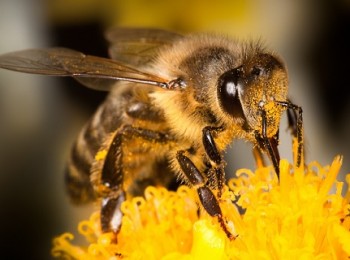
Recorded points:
41,116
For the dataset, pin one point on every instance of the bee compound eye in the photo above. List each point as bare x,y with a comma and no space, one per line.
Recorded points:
229,85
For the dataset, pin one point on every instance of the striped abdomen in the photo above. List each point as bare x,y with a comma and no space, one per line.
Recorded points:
144,162
106,119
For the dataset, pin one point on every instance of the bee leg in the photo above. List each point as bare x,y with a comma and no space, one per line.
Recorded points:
112,174
112,180
296,125
111,215
206,196
216,160
292,118
295,122
258,150
269,144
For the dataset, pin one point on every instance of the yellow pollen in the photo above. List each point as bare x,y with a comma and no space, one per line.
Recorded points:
304,215
101,155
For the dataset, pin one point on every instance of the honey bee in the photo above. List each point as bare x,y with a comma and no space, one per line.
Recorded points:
175,103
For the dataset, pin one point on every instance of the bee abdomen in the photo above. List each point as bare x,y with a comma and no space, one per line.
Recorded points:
79,189
89,141
77,177
78,172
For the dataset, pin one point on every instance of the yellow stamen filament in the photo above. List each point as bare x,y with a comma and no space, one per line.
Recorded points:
304,216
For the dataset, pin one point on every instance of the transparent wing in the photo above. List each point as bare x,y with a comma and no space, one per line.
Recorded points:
94,72
136,46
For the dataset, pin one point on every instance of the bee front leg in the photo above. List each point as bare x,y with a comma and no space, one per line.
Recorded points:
295,122
269,144
108,174
206,196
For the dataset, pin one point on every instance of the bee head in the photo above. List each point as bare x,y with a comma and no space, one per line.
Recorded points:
249,92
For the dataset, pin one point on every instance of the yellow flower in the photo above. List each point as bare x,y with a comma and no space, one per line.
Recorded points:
302,216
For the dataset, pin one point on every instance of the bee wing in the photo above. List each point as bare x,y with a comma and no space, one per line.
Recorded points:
137,46
94,72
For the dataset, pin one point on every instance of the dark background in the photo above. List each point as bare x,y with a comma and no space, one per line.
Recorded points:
41,116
